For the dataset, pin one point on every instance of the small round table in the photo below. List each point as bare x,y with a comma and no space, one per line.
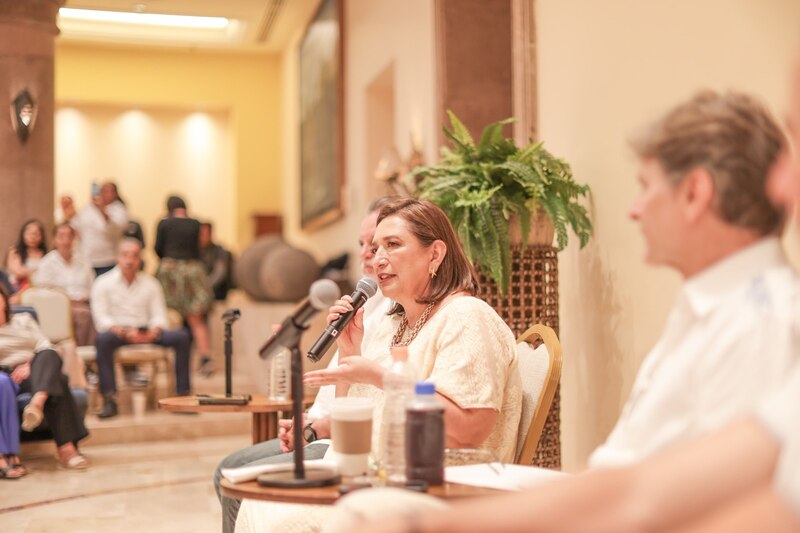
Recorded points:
328,495
265,411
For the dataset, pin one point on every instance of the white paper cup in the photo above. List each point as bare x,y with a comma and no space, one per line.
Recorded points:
139,401
351,434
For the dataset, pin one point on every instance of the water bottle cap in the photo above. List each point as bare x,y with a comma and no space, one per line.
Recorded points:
424,387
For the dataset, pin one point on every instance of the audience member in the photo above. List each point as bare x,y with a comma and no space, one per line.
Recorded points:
271,451
735,318
10,465
182,274
128,308
218,263
454,340
63,269
99,225
24,257
26,354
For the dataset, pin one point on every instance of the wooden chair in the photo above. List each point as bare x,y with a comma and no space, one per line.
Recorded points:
540,369
53,309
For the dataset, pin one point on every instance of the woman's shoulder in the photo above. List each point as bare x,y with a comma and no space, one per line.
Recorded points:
458,305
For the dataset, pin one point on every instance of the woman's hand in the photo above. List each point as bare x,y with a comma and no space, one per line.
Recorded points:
21,373
349,340
351,369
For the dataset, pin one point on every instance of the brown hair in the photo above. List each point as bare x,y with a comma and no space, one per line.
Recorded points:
6,304
735,139
63,225
428,223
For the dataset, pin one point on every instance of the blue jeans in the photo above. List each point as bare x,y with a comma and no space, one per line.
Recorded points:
106,343
264,453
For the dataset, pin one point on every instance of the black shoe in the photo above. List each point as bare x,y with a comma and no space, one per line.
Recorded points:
109,409
207,367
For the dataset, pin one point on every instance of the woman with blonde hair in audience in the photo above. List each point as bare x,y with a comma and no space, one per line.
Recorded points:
454,340
24,257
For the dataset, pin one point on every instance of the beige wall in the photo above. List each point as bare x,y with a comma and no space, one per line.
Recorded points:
245,86
151,153
604,69
380,35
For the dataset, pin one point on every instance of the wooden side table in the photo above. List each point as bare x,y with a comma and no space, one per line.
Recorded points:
265,411
328,495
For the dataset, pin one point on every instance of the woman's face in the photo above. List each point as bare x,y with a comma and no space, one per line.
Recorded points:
401,263
32,236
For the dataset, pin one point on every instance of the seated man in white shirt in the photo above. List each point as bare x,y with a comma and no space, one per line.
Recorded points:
128,308
63,269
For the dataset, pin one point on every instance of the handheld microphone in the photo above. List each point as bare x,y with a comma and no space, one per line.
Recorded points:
322,295
365,289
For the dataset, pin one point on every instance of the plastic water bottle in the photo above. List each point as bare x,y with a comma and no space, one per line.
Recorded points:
425,436
398,389
279,376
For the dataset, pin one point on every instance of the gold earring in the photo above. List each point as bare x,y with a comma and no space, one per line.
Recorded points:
433,273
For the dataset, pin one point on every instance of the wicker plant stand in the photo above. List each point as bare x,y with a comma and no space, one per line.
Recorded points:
532,298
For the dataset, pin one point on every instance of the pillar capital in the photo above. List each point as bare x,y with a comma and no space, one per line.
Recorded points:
38,13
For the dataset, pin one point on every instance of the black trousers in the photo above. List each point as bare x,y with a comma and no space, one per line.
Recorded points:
60,410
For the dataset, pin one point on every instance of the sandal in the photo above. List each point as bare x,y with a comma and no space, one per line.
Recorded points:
32,417
76,462
14,463
10,472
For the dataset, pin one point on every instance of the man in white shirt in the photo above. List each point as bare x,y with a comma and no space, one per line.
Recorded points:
128,308
704,211
317,419
100,225
63,269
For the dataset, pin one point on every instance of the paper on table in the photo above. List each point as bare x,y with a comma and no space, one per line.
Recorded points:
249,473
502,477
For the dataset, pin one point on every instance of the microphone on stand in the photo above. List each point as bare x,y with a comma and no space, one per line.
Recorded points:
365,289
322,295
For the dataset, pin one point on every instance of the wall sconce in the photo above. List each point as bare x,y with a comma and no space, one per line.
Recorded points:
23,114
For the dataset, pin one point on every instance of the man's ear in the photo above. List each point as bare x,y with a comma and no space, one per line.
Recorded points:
697,193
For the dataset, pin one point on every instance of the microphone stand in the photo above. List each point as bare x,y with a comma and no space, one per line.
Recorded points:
300,477
228,356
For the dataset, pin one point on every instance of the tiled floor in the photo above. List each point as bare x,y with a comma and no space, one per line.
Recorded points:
148,486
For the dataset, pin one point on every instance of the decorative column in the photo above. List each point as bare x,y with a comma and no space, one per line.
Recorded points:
27,42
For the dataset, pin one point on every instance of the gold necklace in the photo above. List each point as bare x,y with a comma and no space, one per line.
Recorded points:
398,339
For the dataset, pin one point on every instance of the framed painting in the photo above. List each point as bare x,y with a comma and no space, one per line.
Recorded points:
322,118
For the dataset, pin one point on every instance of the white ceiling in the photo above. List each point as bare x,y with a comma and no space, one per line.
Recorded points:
263,26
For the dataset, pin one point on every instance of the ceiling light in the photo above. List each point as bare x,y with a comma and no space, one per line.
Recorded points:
148,19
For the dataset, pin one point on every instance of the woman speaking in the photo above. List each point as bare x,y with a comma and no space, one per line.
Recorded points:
454,340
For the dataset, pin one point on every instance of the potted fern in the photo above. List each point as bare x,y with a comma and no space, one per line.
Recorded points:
488,187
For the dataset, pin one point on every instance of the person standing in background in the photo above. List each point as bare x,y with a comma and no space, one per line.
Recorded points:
99,225
183,276
217,261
